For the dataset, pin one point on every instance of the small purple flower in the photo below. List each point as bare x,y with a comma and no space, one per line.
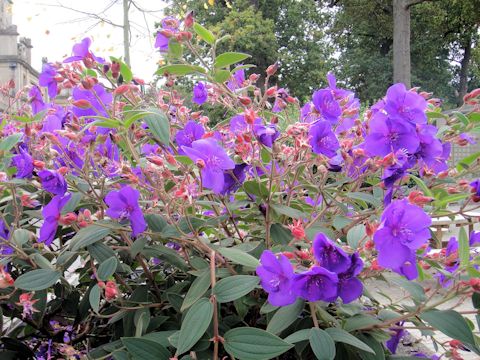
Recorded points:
404,229
326,105
405,105
212,160
392,344
4,235
161,41
387,135
349,286
475,187
191,132
237,80
276,278
316,284
51,214
53,182
322,139
466,139
82,51
200,93
266,134
36,100
123,204
329,255
47,79
24,164
233,179
98,97
474,238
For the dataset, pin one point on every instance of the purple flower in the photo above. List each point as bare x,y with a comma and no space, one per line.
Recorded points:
397,170
276,278
53,182
349,287
51,214
4,235
212,160
405,105
474,238
237,80
161,41
200,93
233,179
326,105
191,132
322,139
266,134
238,124
316,284
123,204
24,164
330,256
36,100
47,79
475,187
387,135
392,344
404,228
98,97
81,51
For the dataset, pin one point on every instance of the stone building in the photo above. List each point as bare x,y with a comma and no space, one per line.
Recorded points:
15,52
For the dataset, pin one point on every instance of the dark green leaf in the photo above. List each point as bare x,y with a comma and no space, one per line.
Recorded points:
239,257
300,335
156,222
374,345
194,325
322,344
280,235
229,58
88,235
339,335
94,297
143,349
288,211
416,290
285,316
247,343
37,279
107,268
467,161
234,287
197,289
359,322
364,197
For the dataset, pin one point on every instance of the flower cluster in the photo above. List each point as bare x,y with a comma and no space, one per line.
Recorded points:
333,275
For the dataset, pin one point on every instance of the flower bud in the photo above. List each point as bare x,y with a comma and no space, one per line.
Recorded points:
167,33
475,284
189,20
245,100
272,69
111,290
115,69
254,77
272,91
82,104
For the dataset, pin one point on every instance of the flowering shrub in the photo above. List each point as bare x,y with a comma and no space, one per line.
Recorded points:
140,226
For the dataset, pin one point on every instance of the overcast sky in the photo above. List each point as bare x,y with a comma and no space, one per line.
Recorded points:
54,29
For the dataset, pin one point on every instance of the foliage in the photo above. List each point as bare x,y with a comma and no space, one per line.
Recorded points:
135,227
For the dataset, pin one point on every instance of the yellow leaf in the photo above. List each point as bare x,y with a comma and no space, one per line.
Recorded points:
228,4
211,2
205,6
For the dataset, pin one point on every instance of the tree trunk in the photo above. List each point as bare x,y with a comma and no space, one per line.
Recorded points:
401,42
126,32
465,63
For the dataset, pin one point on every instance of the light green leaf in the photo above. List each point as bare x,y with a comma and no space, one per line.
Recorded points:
463,248
205,34
229,58
288,211
356,234
416,290
10,141
180,69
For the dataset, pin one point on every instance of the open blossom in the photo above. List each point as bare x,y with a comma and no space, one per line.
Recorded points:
97,97
51,215
4,237
53,182
387,135
123,204
237,80
212,160
326,105
24,164
266,134
276,277
316,284
349,286
322,139
36,100
329,255
403,230
405,105
200,93
169,24
26,302
475,188
6,279
233,179
47,79
81,51
191,132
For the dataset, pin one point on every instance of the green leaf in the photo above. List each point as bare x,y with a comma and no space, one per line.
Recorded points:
359,322
421,184
88,236
159,125
229,58
156,222
143,349
247,343
322,344
374,345
369,198
126,72
300,335
194,325
461,117
221,76
205,34
72,204
10,141
444,201
37,279
285,316
280,235
234,287
239,257
452,324
355,234
467,161
463,248
180,69
175,49
339,335
288,211
416,290
197,289
107,268
94,297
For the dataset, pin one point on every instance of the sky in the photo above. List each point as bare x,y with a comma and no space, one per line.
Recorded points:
54,29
